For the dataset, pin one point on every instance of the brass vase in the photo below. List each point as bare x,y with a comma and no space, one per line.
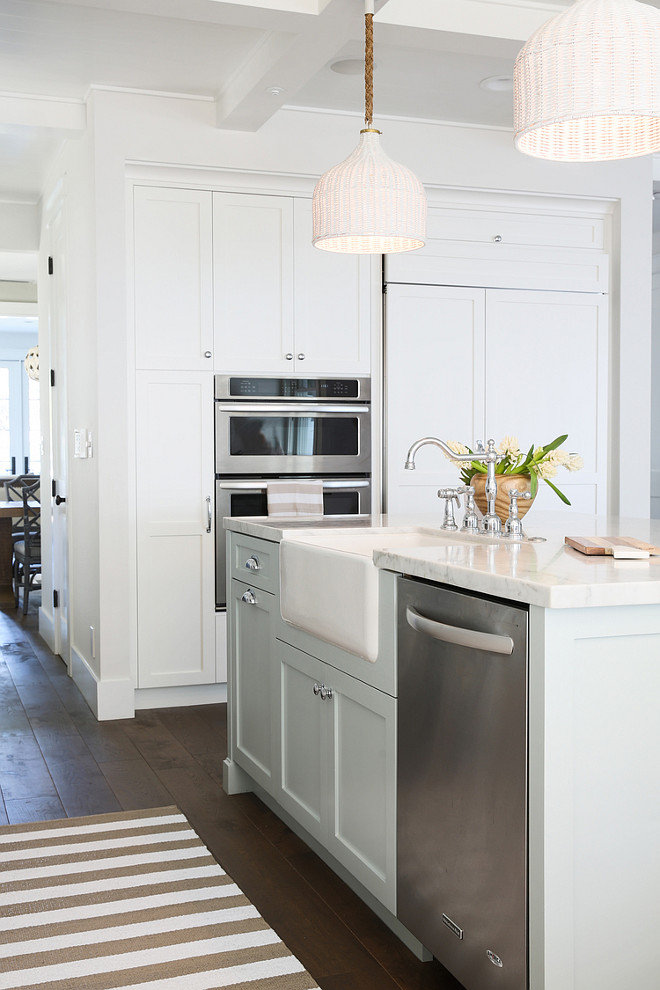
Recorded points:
505,482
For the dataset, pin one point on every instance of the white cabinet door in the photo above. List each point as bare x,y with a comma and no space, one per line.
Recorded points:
332,305
175,542
254,682
547,374
253,279
173,287
434,374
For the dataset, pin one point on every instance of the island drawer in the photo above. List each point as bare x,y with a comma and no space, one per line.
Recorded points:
255,561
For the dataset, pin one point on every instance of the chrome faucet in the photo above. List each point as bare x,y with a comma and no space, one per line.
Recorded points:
490,523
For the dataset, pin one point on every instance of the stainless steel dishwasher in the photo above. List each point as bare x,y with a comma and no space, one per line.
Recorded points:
462,782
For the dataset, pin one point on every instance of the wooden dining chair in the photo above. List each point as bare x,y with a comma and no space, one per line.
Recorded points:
27,550
14,493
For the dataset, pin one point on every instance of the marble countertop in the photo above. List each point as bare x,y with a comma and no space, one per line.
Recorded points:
540,571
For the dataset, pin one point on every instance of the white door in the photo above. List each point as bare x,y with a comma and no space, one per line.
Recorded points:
546,375
56,485
434,371
175,540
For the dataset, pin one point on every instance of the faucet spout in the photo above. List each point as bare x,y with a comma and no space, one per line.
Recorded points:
444,447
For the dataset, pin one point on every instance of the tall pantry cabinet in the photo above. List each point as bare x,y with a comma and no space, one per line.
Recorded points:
173,307
499,326
224,283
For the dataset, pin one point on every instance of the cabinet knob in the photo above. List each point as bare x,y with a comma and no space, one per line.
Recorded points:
301,357
317,689
208,354
497,238
252,563
326,693
249,597
289,356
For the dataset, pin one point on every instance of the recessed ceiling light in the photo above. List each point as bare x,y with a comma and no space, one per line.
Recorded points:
497,84
348,66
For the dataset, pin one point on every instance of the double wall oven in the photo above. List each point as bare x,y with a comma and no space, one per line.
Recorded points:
289,428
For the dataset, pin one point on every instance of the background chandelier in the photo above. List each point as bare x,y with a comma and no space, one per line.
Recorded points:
32,363
369,204
586,85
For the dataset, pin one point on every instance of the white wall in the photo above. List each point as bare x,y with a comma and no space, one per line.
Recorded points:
182,132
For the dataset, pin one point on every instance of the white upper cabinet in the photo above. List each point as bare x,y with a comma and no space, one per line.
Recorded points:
253,265
281,305
173,285
507,248
332,304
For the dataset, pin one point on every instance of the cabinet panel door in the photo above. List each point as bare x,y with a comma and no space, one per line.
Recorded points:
434,375
175,553
303,766
546,374
254,681
332,305
360,723
253,280
173,293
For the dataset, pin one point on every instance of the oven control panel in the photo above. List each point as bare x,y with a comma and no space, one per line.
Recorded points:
333,389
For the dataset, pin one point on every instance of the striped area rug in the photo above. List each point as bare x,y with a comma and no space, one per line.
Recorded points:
129,900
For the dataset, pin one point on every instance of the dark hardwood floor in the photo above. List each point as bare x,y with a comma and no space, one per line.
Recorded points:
57,761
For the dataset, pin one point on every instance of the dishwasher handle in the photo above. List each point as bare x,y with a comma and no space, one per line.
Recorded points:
472,638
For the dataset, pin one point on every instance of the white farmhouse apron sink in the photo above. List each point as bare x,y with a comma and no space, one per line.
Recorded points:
329,583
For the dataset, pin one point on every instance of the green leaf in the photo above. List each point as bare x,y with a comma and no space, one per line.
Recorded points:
555,489
555,443
534,483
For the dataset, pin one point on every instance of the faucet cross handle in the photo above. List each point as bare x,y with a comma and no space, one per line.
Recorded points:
513,524
470,518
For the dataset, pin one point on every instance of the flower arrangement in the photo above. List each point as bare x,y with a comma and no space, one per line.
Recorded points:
539,462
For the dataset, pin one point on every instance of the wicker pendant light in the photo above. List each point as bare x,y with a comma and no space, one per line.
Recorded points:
369,204
587,84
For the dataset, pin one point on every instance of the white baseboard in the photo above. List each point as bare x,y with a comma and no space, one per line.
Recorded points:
47,628
108,699
180,697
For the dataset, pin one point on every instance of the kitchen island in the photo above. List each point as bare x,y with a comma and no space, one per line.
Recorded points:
593,732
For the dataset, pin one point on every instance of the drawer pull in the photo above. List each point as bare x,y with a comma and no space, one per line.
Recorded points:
249,597
252,563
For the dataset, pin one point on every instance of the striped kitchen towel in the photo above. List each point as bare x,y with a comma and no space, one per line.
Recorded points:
295,498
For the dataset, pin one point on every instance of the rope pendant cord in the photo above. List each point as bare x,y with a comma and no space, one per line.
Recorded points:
368,69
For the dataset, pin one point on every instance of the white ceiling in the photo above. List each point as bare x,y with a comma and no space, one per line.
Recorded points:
430,57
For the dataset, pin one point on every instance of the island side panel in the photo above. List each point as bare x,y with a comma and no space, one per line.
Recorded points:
594,800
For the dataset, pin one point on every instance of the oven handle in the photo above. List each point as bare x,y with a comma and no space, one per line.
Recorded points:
275,407
260,486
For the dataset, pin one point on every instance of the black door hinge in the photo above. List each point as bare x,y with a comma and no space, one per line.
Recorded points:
50,266
52,378
53,488
56,599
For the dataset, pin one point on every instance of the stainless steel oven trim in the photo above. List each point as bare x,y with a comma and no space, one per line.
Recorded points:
260,486
274,408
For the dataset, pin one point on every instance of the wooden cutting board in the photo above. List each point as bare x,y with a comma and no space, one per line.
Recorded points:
605,544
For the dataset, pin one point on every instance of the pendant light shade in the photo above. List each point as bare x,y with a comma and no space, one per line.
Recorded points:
369,204
587,84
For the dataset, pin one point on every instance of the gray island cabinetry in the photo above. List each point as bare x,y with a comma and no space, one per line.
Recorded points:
315,742
327,720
